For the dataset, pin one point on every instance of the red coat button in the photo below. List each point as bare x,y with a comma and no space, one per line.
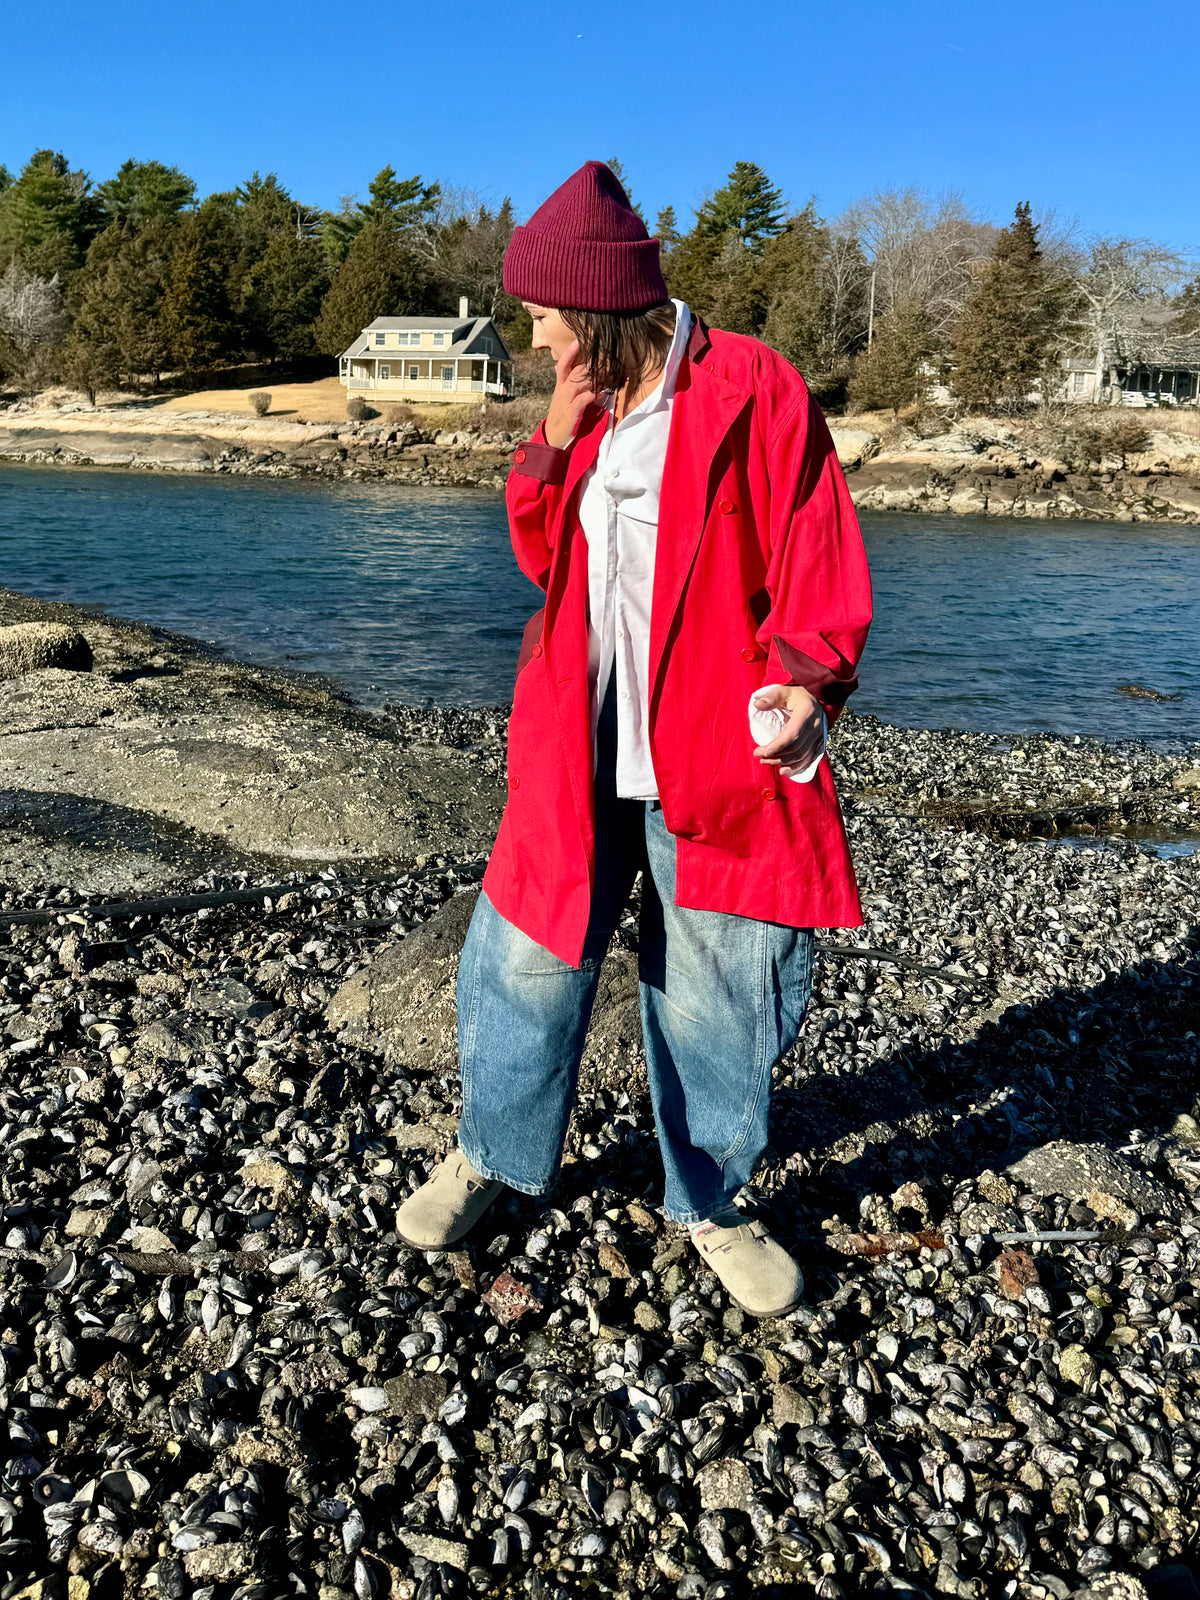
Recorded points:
769,794
514,783
726,506
750,654
537,650
519,457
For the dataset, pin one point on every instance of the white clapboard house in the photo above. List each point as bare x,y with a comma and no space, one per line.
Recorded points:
428,359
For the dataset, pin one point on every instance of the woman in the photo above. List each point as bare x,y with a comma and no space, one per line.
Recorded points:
707,600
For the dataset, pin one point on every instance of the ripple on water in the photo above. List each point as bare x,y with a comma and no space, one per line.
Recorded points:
412,594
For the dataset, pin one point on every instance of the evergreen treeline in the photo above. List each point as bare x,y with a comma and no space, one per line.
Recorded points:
116,284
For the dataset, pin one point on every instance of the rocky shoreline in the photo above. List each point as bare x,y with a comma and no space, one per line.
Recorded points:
224,1377
978,468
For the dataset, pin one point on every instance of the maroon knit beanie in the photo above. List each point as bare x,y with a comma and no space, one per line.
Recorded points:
586,249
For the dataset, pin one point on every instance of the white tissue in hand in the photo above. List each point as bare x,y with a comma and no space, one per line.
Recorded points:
767,723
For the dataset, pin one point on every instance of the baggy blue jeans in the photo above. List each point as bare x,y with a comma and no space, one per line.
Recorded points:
722,998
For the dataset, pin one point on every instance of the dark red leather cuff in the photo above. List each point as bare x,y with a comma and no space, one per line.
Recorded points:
541,461
822,682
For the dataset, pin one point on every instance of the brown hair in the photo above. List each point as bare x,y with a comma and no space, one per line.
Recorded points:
620,348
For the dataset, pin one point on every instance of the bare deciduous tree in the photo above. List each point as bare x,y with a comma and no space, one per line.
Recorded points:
922,250
1125,286
843,275
466,240
32,322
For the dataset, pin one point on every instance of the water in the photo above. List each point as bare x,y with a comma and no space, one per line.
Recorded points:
412,594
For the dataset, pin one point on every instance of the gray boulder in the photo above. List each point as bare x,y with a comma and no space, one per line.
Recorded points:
403,1004
33,646
853,445
1079,1170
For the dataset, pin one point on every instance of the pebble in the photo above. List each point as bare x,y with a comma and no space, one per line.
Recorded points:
222,1373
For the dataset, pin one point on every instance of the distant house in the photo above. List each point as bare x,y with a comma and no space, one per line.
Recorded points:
428,359
1135,369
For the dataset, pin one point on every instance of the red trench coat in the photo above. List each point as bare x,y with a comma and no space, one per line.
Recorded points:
760,577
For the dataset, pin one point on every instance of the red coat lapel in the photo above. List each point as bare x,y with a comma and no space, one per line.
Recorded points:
704,409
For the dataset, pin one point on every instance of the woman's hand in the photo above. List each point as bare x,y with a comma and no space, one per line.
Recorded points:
572,393
800,741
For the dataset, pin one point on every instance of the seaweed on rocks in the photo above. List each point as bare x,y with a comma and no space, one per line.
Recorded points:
223,1375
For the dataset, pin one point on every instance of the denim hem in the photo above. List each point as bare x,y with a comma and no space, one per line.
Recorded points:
689,1219
493,1176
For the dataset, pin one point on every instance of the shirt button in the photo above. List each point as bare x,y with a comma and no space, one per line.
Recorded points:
750,654
726,506
624,695
519,457
614,473
537,650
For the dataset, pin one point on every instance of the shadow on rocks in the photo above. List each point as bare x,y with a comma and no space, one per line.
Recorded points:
1087,1066
1050,1088
93,826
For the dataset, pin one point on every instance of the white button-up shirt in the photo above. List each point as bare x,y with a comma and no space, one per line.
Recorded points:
618,510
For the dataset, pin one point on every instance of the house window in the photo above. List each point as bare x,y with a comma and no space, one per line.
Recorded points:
409,338
381,338
1078,382
447,377
412,372
385,373
439,341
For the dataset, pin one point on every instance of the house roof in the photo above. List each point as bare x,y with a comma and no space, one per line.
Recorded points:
1150,349
464,331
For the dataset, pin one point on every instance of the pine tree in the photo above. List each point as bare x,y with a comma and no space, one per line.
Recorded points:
263,215
666,228
196,322
116,305
381,277
891,373
735,294
397,202
1001,340
284,291
713,267
143,190
47,216
1186,320
617,168
748,205
692,269
263,208
793,289
666,231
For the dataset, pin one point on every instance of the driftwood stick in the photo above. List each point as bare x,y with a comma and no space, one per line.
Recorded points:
856,952
121,910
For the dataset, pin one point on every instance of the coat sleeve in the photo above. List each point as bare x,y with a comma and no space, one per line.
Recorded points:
817,578
532,493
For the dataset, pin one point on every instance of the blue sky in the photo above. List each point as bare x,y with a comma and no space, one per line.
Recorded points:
1088,108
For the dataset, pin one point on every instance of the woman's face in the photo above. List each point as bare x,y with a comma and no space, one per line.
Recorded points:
550,332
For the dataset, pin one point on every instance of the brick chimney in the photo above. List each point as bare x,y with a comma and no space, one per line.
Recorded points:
462,306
